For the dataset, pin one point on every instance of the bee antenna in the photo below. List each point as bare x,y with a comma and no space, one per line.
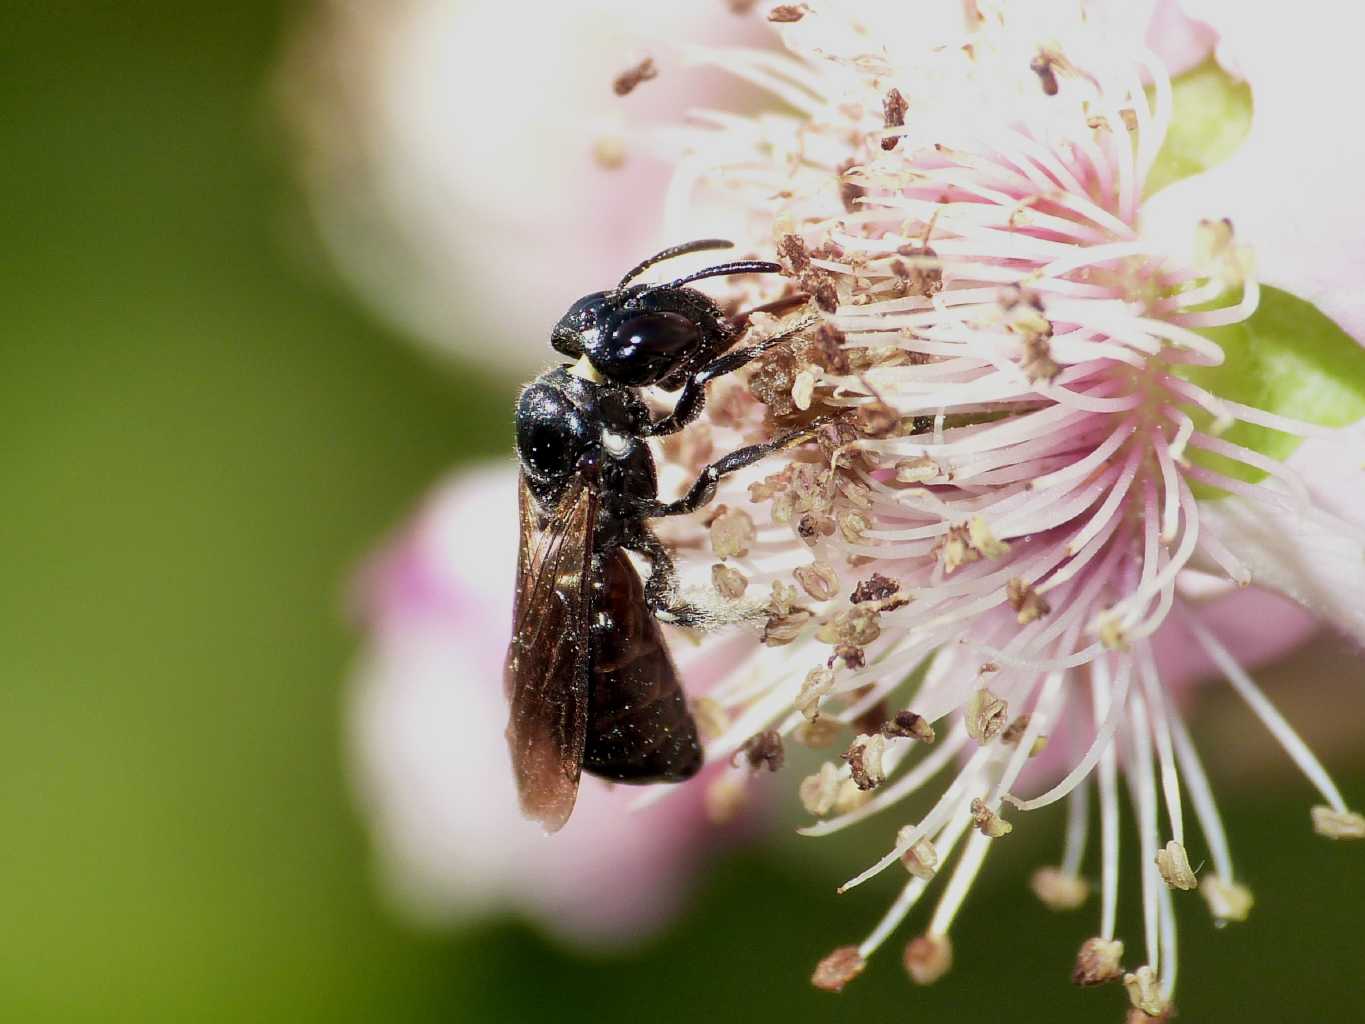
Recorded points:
725,270
700,245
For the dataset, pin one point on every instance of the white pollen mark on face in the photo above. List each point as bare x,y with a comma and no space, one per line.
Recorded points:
583,368
615,444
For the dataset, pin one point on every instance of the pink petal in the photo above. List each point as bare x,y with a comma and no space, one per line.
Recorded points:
1180,41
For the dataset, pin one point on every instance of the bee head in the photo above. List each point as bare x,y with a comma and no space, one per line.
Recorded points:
643,335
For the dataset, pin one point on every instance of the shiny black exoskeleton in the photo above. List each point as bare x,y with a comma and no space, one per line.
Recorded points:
589,680
589,419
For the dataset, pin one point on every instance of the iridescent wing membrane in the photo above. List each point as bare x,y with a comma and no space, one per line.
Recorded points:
546,675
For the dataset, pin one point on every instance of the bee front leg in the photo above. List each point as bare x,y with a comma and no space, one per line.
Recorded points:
692,398
704,488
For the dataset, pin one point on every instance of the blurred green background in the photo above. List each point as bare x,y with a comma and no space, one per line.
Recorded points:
202,435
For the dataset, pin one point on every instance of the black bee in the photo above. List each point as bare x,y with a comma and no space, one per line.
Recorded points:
588,677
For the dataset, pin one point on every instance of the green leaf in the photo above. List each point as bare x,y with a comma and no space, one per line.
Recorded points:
1288,359
1210,118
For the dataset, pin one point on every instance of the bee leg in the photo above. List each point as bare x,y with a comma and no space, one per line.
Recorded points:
704,488
661,588
693,395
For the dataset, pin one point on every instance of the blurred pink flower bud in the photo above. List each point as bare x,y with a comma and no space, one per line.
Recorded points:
426,717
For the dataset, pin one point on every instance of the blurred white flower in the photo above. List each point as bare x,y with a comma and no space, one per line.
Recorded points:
470,165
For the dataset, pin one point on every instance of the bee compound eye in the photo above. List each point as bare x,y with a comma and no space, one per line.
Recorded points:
647,347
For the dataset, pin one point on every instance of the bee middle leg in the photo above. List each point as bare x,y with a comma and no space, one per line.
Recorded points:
661,588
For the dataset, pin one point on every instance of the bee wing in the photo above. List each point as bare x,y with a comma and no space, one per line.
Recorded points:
546,674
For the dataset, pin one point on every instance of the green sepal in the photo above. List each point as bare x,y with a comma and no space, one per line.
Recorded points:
1210,116
1289,359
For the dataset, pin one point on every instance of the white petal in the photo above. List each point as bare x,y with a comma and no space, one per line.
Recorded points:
1317,559
1292,188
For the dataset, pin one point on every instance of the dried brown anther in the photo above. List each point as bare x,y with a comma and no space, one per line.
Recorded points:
988,822
1099,961
894,106
864,757
1026,601
792,251
907,724
1014,732
729,583
851,655
838,969
627,80
877,419
831,341
923,275
731,533
849,192
820,285
1042,66
875,588
985,715
818,579
761,750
